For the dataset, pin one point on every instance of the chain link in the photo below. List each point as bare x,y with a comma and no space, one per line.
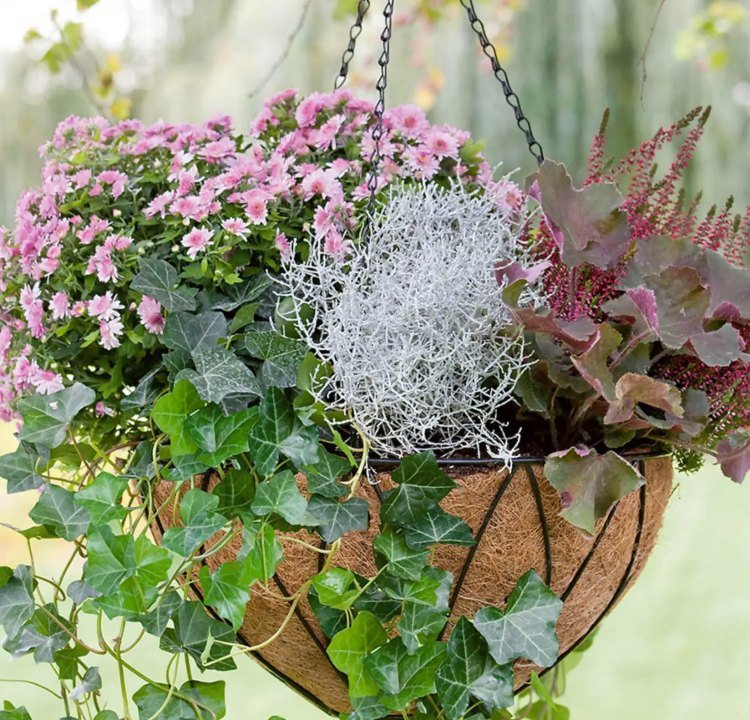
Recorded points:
354,32
510,96
379,111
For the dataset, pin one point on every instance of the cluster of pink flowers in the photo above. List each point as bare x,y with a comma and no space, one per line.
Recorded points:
113,194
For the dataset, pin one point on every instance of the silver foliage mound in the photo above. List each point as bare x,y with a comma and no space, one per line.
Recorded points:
423,350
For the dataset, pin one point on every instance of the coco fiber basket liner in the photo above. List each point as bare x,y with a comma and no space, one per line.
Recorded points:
514,515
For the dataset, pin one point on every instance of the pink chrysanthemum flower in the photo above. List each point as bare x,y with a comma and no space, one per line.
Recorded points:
284,246
60,306
256,205
149,312
105,307
197,240
110,331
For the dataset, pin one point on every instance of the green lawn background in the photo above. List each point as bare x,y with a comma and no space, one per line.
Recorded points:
676,648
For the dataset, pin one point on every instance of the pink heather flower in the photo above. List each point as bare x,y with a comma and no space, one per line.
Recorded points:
60,306
196,241
256,205
117,180
105,307
284,246
149,311
46,382
110,331
235,226
441,143
321,182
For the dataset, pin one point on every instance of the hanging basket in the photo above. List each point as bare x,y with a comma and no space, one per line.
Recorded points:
514,516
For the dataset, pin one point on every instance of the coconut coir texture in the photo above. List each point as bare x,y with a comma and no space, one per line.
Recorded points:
515,518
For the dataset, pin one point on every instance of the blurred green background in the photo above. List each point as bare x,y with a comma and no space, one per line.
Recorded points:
678,646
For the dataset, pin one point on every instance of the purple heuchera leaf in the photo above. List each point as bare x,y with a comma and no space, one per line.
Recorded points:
632,389
509,271
645,300
593,228
589,483
733,454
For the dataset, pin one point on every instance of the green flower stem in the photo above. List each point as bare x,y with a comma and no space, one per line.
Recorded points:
172,684
59,592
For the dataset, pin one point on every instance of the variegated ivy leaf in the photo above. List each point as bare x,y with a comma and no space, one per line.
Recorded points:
159,280
218,373
200,521
188,332
19,469
282,356
400,560
17,600
162,702
526,628
58,509
46,417
437,526
281,496
218,436
589,483
403,677
339,517
279,432
469,671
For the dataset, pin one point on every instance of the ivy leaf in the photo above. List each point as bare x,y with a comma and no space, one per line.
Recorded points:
155,621
403,677
331,621
336,588
102,498
14,713
219,437
526,628
419,625
280,494
170,413
17,600
158,279
209,642
200,520
188,331
278,431
218,373
44,636
58,510
337,518
470,671
401,560
350,647
236,493
91,682
236,295
323,477
117,559
438,526
19,470
159,701
46,417
421,486
282,357
227,591
589,483
145,393
262,554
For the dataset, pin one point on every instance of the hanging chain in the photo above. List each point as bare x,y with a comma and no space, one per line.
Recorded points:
354,32
378,112
510,96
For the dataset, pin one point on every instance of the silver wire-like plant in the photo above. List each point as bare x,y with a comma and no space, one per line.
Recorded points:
424,353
